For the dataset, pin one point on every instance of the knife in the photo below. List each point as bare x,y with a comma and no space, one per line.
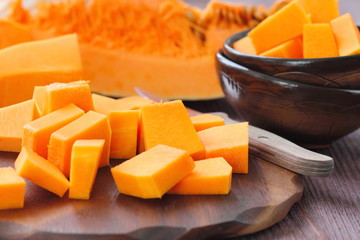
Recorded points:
271,147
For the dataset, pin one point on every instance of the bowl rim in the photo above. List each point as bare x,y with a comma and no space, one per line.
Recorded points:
277,80
227,46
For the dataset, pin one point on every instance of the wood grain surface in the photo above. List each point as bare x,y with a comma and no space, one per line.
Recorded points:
257,201
330,206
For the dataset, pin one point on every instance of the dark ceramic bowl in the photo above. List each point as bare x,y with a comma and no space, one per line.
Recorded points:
338,72
311,116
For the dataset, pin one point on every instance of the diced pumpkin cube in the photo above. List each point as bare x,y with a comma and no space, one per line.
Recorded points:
105,105
290,49
85,157
169,124
37,133
12,120
210,176
319,41
284,25
230,142
41,172
37,63
91,125
346,35
132,102
13,33
245,45
205,121
152,173
321,11
58,95
124,128
12,189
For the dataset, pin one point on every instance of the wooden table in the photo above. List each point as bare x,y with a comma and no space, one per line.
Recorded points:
330,206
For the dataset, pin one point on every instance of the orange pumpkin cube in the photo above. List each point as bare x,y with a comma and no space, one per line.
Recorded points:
91,125
105,105
124,128
321,11
346,35
245,45
284,25
210,176
85,157
319,41
36,134
41,172
152,173
206,120
290,49
12,120
57,95
12,189
169,124
230,142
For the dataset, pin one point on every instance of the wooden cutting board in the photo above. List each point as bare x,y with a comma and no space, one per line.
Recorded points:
257,201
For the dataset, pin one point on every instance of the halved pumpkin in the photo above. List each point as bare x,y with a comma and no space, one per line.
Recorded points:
163,46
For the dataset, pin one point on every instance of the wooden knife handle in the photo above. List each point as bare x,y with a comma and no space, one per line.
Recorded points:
280,151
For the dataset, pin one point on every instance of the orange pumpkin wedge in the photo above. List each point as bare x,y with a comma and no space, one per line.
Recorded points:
37,63
175,61
13,33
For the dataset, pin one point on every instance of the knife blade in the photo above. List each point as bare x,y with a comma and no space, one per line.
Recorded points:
271,147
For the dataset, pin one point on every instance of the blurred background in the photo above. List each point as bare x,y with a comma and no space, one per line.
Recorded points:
351,6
